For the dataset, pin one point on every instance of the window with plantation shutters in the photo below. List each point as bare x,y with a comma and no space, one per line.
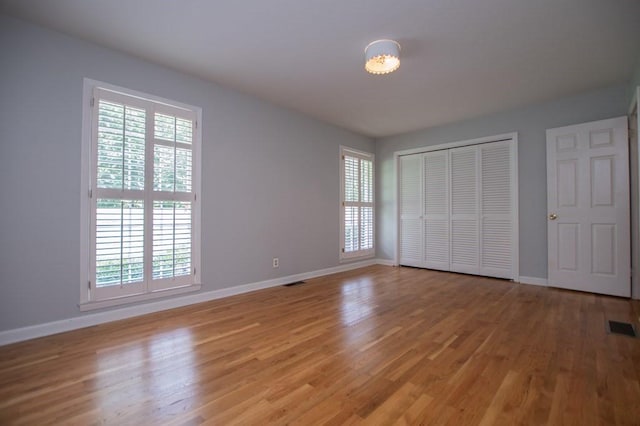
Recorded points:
357,208
142,195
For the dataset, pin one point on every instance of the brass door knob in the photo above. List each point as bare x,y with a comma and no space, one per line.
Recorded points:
553,216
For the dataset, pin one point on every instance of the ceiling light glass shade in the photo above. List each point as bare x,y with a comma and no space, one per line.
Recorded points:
382,56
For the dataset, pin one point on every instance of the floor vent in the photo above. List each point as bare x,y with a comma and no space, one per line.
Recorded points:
623,328
295,283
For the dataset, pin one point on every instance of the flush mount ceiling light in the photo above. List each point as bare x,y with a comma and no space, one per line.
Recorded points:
382,56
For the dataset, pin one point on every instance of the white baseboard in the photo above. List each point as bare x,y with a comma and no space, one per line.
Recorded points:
533,281
87,320
386,262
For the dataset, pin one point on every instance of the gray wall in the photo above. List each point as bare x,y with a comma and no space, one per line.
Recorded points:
530,123
270,177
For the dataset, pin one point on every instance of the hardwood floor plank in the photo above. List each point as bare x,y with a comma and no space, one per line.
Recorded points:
378,345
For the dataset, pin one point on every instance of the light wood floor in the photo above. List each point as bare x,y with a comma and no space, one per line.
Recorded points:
379,345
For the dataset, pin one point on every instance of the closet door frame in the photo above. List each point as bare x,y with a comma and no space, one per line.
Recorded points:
513,139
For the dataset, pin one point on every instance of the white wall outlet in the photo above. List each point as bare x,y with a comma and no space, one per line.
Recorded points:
276,262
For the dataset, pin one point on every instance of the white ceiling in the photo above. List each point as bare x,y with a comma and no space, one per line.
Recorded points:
460,58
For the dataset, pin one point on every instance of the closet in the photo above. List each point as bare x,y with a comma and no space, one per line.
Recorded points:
458,209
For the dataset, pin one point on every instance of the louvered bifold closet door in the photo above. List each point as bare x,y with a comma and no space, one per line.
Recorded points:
411,233
436,210
464,230
496,207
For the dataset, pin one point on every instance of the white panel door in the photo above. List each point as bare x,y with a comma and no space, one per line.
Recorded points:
410,206
497,251
588,207
436,209
463,172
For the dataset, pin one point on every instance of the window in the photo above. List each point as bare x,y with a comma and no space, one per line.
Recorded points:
143,213
356,207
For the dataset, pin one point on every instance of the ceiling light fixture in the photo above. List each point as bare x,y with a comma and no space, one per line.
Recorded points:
382,56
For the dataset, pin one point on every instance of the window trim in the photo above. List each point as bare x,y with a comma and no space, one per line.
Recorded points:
360,254
88,167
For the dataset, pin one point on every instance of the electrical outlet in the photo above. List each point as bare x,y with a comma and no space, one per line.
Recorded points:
276,262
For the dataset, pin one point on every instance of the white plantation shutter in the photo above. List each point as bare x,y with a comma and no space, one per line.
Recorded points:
121,146
172,230
119,242
351,211
411,194
357,206
171,239
142,198
366,205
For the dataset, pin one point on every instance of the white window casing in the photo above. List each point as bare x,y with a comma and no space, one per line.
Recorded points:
141,211
357,208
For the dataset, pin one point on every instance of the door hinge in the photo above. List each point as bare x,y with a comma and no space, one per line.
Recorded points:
343,249
195,123
89,284
92,102
90,193
194,271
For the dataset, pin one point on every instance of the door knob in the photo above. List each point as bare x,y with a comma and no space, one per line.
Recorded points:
553,216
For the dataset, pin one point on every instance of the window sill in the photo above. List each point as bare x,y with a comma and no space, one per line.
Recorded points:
119,301
357,258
